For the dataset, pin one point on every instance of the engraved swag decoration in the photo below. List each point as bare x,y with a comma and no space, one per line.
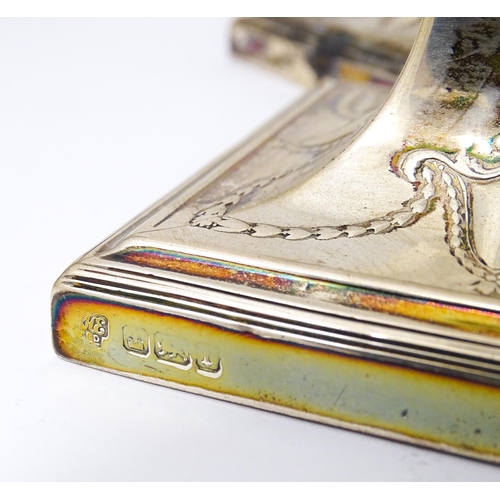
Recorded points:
434,175
439,171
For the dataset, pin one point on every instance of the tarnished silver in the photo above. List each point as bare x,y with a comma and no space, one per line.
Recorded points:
364,221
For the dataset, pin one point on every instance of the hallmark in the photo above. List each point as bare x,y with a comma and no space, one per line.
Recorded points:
208,363
172,351
96,328
136,341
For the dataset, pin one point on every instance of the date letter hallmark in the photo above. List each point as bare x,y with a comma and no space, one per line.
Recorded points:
96,328
136,341
208,363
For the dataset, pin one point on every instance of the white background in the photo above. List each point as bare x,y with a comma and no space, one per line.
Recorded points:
98,119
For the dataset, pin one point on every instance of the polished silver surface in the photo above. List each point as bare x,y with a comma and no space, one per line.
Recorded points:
98,120
362,221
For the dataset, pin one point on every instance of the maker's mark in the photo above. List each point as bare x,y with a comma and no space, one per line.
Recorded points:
95,328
